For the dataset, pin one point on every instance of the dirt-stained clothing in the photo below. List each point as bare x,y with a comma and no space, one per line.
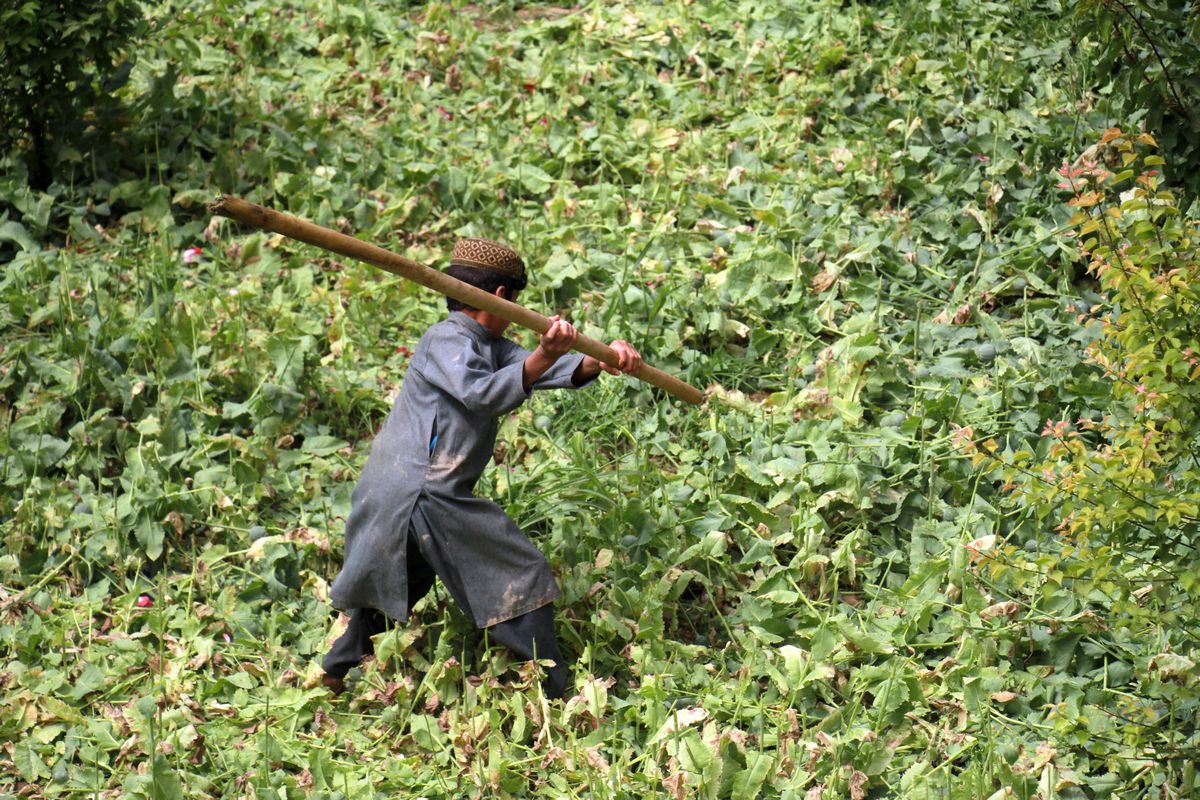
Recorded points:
420,475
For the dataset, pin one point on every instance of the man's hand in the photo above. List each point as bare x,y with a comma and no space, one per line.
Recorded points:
558,339
629,360
555,343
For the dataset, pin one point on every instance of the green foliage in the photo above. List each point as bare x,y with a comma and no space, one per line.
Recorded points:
57,59
844,218
1150,50
1123,479
1134,482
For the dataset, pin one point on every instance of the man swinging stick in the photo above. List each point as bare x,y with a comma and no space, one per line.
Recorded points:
413,516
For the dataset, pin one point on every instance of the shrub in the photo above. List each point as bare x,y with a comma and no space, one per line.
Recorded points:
1151,50
57,58
1122,483
1129,478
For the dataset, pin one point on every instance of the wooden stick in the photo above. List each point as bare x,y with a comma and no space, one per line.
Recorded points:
258,216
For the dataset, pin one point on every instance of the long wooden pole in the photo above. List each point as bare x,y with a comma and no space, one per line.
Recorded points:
258,216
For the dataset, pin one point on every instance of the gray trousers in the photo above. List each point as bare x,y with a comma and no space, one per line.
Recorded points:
528,636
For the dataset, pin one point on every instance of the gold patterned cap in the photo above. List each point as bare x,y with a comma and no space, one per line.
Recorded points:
486,254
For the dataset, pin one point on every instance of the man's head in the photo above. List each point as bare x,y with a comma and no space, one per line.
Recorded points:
486,265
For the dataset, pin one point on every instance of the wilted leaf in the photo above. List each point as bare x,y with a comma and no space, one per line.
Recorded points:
676,786
679,720
1006,608
1172,666
857,785
823,280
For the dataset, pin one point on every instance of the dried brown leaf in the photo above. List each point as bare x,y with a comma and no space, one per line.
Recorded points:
1005,608
676,786
857,785
823,280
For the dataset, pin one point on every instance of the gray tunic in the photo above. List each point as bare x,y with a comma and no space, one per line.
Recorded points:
423,466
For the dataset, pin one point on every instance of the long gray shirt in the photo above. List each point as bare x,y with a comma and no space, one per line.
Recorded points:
421,473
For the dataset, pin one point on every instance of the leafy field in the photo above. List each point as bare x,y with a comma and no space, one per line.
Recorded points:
846,219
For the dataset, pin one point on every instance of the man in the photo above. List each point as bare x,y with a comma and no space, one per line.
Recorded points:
413,514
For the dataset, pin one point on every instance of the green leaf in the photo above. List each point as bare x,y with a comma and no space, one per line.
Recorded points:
150,535
29,762
48,449
323,445
749,781
148,426
697,757
242,680
426,733
13,231
164,781
90,680
535,181
320,764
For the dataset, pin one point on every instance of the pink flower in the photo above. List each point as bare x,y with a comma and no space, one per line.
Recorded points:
192,254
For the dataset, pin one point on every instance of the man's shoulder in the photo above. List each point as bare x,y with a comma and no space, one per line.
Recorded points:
442,326
443,330
458,328
451,336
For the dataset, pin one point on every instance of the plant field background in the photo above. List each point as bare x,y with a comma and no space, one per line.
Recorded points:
848,219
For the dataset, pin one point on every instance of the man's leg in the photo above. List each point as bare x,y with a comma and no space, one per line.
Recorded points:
421,576
532,635
355,644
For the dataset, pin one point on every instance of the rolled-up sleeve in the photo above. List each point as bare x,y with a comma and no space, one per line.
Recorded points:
557,377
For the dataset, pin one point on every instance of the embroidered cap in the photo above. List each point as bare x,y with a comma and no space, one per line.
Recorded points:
486,254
